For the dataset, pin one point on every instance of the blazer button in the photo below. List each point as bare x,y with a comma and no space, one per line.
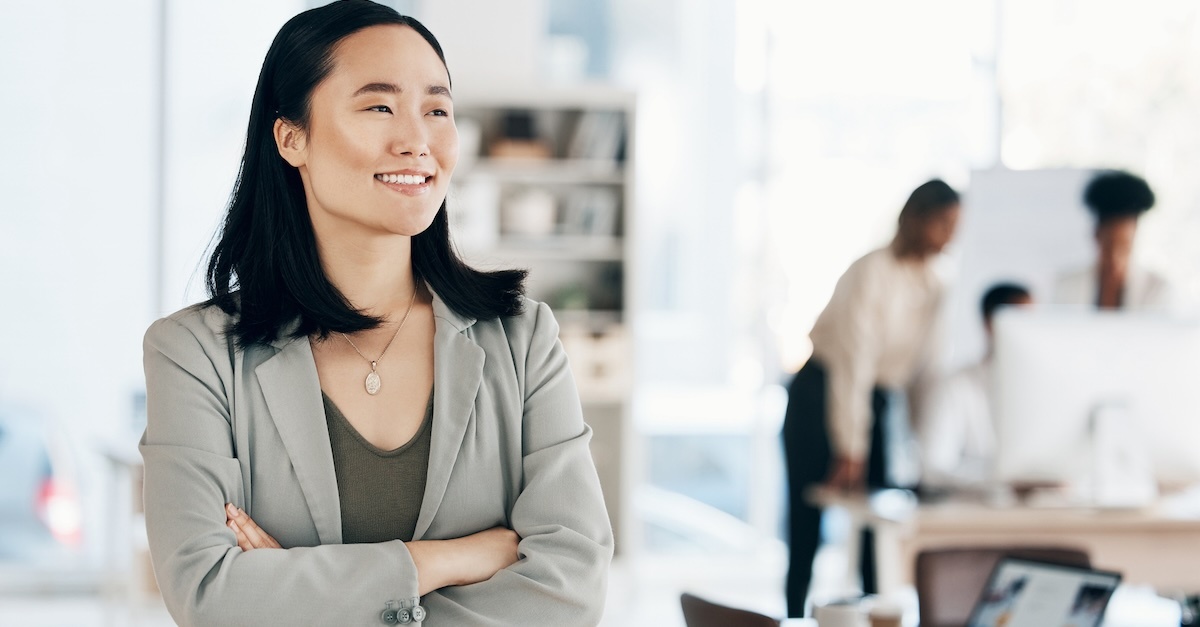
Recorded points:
404,616
419,613
389,615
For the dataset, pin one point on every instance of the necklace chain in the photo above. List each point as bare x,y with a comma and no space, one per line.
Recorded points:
373,382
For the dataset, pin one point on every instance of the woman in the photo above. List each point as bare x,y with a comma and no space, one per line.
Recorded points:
357,426
1116,200
872,337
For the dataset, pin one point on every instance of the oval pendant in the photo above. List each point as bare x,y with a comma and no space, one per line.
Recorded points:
373,383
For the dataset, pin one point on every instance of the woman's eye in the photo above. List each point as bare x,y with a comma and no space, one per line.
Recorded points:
440,112
380,108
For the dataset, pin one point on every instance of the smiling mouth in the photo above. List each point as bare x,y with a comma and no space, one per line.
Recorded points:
402,179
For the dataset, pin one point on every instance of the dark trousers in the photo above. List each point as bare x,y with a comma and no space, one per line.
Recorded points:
809,457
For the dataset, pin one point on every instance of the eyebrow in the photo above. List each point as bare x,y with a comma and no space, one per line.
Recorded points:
392,88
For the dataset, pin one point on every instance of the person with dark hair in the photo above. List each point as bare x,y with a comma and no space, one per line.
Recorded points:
1116,200
955,431
357,426
872,339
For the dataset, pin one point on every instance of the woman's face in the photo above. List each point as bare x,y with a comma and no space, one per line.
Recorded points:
381,143
938,229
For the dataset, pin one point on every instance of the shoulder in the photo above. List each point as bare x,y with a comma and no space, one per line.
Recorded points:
526,335
865,269
874,260
535,324
202,324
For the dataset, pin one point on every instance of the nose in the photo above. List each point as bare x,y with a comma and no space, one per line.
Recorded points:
409,136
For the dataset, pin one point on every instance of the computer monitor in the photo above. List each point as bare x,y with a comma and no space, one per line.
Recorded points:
1060,374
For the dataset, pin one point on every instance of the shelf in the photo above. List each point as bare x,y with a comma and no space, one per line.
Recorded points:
562,213
549,171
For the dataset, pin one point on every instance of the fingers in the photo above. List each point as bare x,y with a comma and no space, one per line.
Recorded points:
249,534
242,540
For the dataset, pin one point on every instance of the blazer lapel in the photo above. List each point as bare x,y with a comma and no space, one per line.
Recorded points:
457,373
293,394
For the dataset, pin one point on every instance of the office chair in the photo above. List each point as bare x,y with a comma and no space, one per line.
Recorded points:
949,581
700,613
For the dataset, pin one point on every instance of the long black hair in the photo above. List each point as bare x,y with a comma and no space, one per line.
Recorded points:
264,270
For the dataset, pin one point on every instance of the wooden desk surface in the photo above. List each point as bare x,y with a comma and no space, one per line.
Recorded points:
1159,545
964,517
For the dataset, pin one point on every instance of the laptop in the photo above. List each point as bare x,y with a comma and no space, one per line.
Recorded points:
1025,593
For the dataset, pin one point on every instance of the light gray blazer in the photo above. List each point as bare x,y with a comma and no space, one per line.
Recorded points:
509,447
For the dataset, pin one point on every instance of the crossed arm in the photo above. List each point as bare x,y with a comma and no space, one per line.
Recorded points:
440,563
211,573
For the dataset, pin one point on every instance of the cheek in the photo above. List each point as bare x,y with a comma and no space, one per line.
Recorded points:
447,142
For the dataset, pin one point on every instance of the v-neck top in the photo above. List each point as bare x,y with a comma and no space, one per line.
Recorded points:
380,491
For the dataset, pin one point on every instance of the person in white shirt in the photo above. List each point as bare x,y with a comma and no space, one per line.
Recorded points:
956,435
872,338
1116,199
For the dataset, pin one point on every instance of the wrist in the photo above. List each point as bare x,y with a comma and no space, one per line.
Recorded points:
433,564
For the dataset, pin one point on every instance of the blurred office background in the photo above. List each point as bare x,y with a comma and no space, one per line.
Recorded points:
770,143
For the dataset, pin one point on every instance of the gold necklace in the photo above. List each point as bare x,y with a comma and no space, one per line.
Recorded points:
373,382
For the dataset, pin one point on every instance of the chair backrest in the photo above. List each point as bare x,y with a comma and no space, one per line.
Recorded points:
698,612
949,581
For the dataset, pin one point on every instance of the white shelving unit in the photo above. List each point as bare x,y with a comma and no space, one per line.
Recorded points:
545,182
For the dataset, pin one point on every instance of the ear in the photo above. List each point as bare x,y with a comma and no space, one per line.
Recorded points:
291,141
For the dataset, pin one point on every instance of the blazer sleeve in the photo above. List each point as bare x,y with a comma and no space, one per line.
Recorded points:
566,540
191,472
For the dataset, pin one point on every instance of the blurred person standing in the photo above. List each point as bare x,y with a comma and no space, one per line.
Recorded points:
870,341
956,434
1116,199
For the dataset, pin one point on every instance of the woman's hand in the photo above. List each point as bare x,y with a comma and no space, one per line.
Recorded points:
846,475
462,561
249,535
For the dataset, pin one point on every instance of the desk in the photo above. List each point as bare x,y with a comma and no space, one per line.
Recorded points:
1157,546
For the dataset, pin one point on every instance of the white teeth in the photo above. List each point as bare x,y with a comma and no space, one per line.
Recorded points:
402,179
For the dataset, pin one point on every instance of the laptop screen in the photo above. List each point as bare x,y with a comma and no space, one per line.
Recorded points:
1022,593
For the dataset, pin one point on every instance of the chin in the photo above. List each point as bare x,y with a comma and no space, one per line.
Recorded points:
410,228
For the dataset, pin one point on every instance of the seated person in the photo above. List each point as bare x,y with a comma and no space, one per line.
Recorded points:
1116,200
956,435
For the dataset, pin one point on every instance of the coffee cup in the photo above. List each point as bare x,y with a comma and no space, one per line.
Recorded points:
840,614
886,615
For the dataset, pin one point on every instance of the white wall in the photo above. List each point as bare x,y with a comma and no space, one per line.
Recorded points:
76,170
216,49
78,217
77,178
489,43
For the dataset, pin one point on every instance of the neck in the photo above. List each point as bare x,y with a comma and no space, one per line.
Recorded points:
1111,287
906,253
373,272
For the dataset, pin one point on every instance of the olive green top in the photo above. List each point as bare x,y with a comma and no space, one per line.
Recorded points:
380,491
